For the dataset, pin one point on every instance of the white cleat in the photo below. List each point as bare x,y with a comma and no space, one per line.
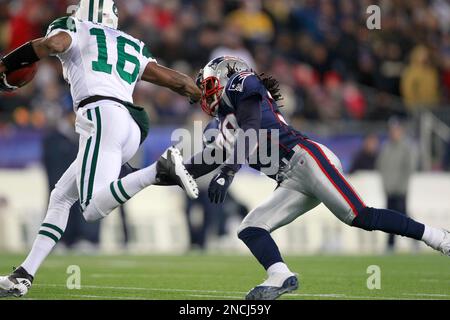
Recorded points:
170,167
444,246
276,285
15,285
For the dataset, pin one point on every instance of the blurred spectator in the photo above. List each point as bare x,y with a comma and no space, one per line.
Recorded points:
232,45
202,45
255,24
446,161
366,158
334,67
445,64
390,69
199,221
354,101
26,22
207,219
396,163
420,81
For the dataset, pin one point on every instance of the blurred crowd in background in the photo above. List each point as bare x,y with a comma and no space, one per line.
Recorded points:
331,66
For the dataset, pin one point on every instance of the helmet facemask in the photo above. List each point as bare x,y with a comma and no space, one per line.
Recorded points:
211,94
213,79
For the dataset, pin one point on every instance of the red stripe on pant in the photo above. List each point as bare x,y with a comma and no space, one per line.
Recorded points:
340,175
354,210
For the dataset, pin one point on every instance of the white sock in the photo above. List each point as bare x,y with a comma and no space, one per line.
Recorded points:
119,192
139,180
433,236
42,247
278,267
51,231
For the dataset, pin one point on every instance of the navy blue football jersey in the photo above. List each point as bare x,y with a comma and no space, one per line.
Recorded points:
244,85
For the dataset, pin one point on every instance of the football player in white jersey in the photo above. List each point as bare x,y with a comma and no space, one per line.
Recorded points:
102,66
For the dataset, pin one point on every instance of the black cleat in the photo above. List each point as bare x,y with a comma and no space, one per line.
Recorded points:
16,284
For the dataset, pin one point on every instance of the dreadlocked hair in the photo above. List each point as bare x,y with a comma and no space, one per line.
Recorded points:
272,85
231,70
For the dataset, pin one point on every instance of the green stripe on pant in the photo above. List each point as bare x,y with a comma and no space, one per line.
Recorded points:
85,158
94,155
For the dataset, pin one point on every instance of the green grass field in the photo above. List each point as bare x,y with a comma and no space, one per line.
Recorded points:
208,277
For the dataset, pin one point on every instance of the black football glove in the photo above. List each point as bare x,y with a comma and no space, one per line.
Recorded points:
4,85
218,187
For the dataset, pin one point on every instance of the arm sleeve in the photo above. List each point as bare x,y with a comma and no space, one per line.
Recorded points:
412,159
248,115
67,25
197,167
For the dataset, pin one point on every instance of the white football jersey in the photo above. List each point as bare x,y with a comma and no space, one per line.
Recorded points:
100,60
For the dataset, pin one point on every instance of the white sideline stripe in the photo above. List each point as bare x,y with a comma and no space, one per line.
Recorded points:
225,294
339,295
146,289
106,297
211,296
155,275
319,295
344,296
426,294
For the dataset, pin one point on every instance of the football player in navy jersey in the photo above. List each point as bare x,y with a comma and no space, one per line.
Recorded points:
308,173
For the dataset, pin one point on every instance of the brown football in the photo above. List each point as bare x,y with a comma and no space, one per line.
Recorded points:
21,77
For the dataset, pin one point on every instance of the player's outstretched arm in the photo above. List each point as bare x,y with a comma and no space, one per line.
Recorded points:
174,80
52,45
34,51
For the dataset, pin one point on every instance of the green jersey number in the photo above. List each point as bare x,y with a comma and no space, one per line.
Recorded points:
102,65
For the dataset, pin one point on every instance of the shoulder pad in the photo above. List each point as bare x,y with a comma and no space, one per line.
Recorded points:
64,23
237,81
241,86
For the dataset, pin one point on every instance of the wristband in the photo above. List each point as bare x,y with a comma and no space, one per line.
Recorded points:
20,58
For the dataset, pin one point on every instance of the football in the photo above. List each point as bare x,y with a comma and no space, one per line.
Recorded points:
21,77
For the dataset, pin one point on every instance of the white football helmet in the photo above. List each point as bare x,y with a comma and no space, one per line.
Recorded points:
213,78
104,12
